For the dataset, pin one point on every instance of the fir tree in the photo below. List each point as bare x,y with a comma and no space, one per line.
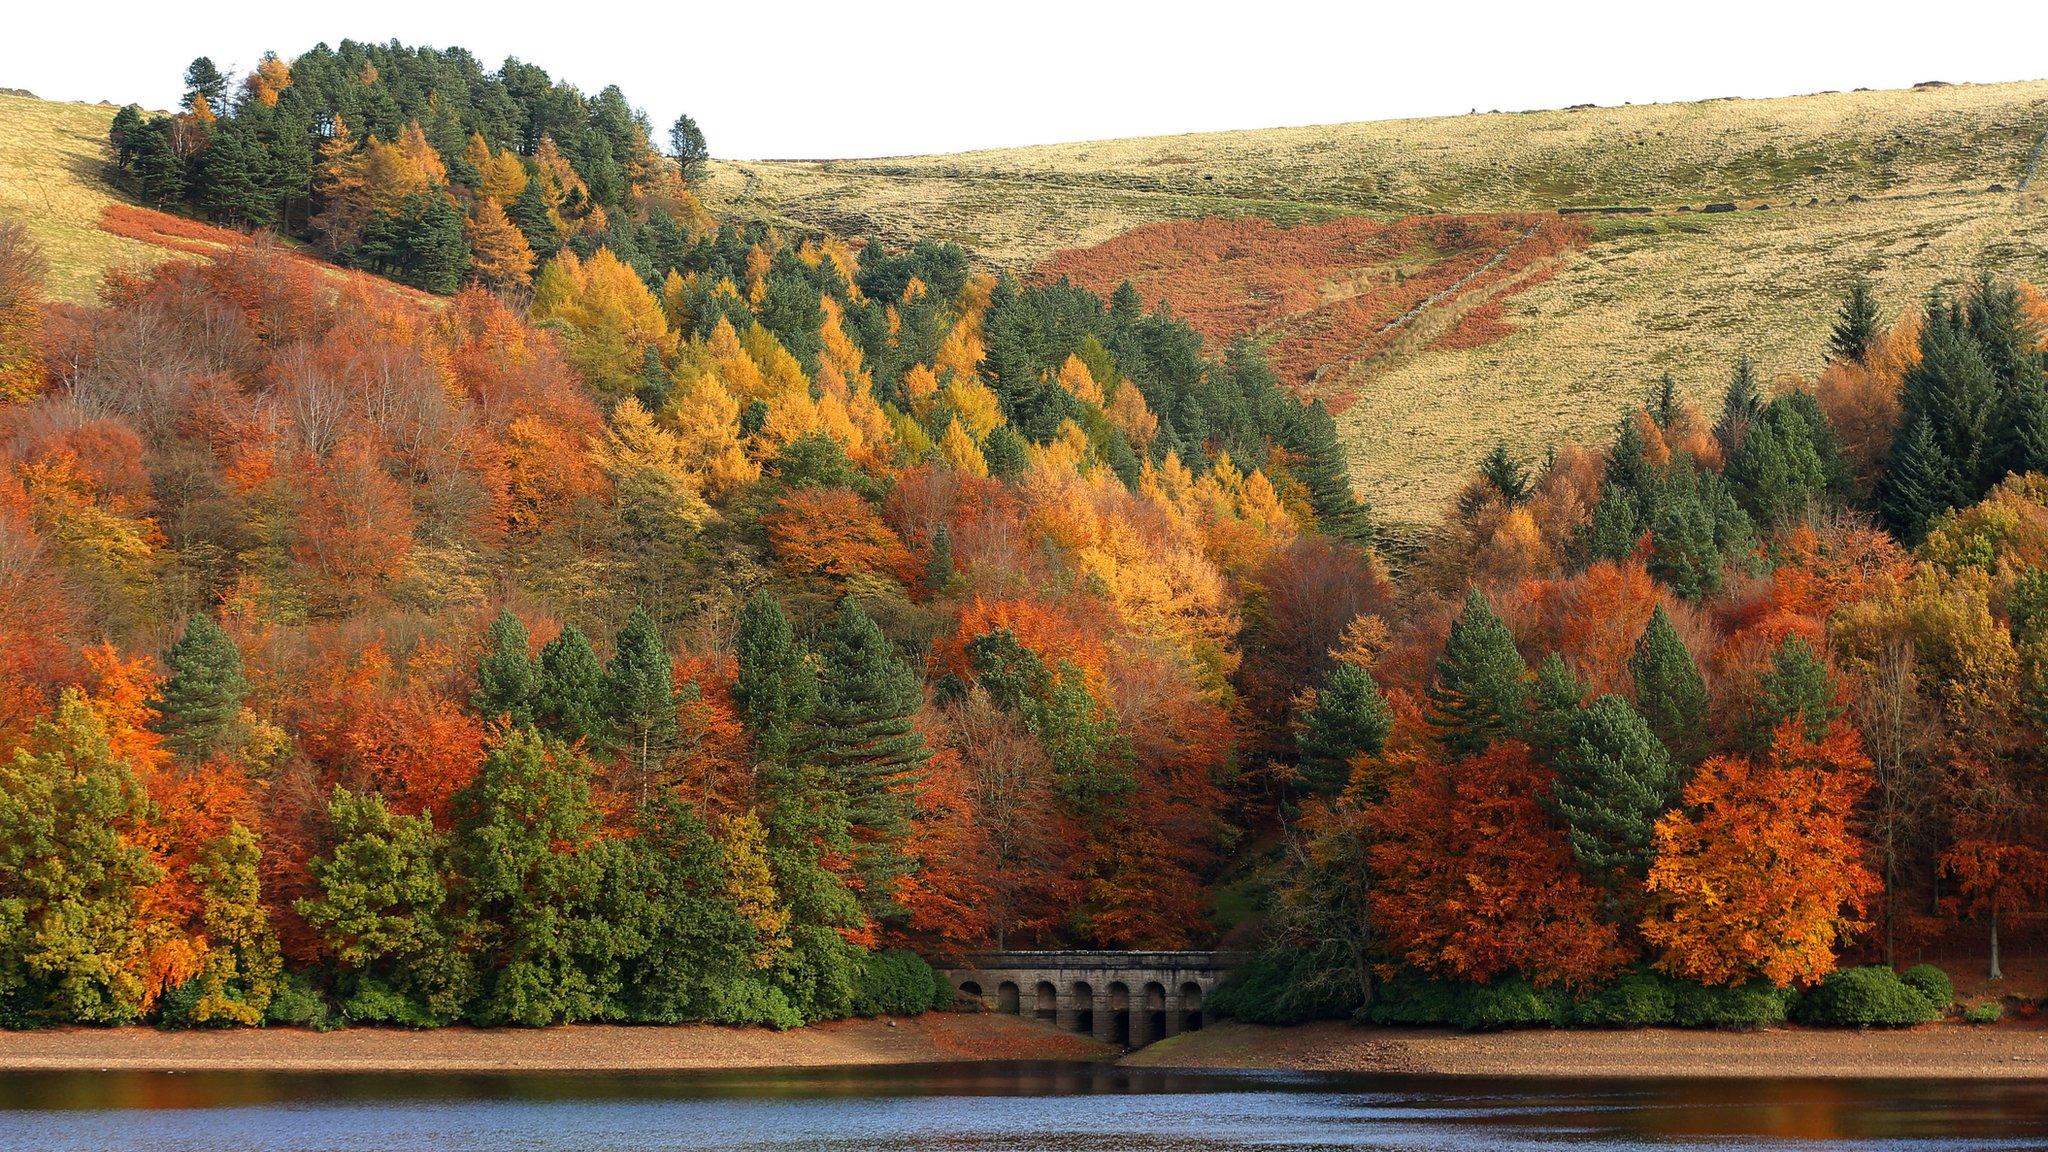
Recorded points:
1670,692
1954,392
1481,682
776,690
228,180
1505,475
1856,325
571,702
1555,697
1919,483
862,736
938,567
1325,470
1664,402
159,170
200,705
1004,451
640,697
1777,472
1614,779
1797,687
1350,718
1741,405
507,679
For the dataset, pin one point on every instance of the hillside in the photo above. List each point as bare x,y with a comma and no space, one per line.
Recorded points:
53,177
1896,185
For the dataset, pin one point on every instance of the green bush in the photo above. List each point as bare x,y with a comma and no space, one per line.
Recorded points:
1930,982
1633,1000
1753,1005
895,983
1509,1003
1989,1013
1866,997
749,1000
1410,998
1288,987
372,1001
297,1003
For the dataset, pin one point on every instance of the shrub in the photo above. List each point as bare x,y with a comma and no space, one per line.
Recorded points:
1288,987
1410,998
1930,982
297,1003
895,983
1988,1013
1509,1003
1752,1005
1633,1000
752,1001
372,1001
1866,997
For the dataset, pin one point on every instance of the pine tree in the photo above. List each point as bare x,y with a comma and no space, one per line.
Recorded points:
1856,325
1776,473
640,697
1919,483
159,169
530,213
686,144
507,679
776,690
204,81
1506,475
1670,692
862,736
1004,452
227,179
1954,392
667,888
1614,779
1555,698
1350,718
2010,343
571,702
1664,402
201,701
938,567
1325,470
655,382
1797,687
1481,682
1739,408
122,134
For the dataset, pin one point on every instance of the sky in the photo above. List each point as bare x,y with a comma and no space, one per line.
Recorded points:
768,79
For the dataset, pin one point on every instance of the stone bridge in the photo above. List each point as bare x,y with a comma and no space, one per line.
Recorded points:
1127,998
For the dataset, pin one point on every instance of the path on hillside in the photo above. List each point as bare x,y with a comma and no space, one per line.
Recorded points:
1366,351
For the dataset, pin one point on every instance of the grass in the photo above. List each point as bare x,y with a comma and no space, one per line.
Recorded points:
52,178
1890,184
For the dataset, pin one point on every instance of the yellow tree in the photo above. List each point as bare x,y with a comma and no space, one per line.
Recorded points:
610,316
960,452
498,251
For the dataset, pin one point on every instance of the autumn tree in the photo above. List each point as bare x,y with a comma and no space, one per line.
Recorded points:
499,254
22,269
241,969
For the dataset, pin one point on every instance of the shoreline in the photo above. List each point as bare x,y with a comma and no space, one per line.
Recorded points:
1929,1052
934,1038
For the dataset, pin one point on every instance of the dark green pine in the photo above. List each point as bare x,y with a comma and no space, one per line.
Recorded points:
201,700
1481,682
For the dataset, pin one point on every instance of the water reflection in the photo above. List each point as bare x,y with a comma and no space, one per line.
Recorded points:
993,1108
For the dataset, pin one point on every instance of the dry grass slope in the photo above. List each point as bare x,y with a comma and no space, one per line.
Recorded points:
52,177
1679,291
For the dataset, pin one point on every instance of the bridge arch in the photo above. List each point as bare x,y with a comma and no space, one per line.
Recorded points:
1008,999
1130,998
1047,1004
1078,1012
1190,1007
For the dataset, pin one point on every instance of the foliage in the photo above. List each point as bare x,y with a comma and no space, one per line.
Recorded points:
1863,997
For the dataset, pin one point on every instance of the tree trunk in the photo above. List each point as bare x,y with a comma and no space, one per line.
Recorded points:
1996,973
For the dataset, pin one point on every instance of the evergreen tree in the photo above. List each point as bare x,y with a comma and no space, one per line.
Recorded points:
686,144
1325,470
1556,697
1350,718
1740,406
666,894
1614,779
655,382
1919,483
529,213
938,567
204,81
1010,673
530,877
571,702
1777,473
863,737
200,705
1797,687
228,179
1481,682
2010,343
507,679
776,690
122,134
159,169
1856,325
1091,759
641,698
1671,694
1004,451
1953,391
1664,402
1505,475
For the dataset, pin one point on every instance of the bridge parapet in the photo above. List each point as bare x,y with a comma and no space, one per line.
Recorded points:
1127,998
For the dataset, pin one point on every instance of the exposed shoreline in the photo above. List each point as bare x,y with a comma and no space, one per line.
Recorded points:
937,1038
1932,1052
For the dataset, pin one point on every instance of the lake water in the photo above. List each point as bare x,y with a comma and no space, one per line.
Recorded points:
997,1108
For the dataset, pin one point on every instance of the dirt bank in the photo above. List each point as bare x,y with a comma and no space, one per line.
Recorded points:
923,1040
1937,1051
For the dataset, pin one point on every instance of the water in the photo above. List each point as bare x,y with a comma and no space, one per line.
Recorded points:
994,1108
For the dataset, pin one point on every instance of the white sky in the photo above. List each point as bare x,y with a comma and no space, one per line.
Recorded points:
872,77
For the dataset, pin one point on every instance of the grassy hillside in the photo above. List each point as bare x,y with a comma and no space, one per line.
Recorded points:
53,178
1895,185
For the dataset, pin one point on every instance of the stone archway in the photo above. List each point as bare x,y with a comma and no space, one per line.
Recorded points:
1047,1003
1008,999
1077,1011
1190,1007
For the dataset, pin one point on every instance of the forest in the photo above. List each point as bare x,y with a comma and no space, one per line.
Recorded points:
671,619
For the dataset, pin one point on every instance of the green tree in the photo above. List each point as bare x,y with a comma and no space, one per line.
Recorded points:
1324,468
776,689
200,704
570,704
1481,681
240,972
1670,692
1555,698
204,80
1919,484
530,878
1777,473
1954,392
1740,406
529,213
422,244
508,680
1614,779
641,697
1797,687
1856,325
1004,451
862,735
159,169
228,179
1506,475
1350,718
938,567
686,144
804,818
70,874
400,950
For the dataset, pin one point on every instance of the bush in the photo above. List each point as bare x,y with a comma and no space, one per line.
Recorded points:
1509,1003
1288,987
1412,999
297,1004
749,1000
1930,982
896,983
1633,1000
372,1001
1866,997
1990,1013
1753,1005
